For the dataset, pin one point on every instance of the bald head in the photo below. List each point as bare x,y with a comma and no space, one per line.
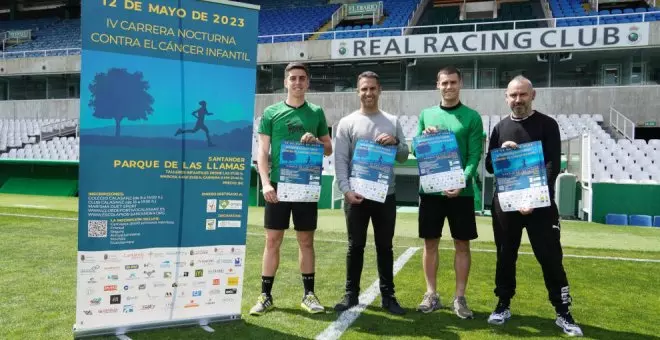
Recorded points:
519,96
521,80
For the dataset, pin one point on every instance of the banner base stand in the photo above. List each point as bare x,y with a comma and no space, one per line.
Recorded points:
207,328
120,332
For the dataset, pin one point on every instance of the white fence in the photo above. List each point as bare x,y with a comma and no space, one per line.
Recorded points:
622,124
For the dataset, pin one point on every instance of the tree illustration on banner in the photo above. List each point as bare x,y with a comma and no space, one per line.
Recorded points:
120,95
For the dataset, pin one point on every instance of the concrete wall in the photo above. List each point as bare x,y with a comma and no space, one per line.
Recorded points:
57,65
51,108
639,103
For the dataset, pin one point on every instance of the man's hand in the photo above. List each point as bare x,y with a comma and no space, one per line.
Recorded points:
308,138
510,145
526,211
385,139
270,195
353,197
430,130
452,193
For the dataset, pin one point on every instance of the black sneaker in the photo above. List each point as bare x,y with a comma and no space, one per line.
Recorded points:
392,305
567,324
500,315
349,300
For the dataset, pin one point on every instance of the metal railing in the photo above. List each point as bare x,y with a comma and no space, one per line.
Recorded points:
585,181
550,22
622,124
57,129
41,53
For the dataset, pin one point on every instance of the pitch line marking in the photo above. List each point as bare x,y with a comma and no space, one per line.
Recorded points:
339,326
476,250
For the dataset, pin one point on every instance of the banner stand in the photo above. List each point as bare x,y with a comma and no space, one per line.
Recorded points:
166,121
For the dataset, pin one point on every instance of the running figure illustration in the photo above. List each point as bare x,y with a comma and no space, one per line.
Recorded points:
199,114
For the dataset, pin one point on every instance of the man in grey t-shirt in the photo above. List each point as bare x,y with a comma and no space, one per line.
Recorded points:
370,123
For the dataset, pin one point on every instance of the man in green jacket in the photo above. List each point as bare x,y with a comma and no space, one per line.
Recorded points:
455,205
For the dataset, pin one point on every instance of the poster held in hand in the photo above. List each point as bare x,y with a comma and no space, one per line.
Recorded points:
301,166
439,162
372,170
521,177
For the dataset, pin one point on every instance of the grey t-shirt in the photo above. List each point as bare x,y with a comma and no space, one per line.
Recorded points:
358,125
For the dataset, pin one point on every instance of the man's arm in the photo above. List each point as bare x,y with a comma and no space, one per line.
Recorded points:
342,156
402,150
323,134
475,147
327,144
264,168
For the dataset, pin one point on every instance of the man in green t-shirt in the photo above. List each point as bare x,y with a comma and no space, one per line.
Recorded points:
294,119
455,205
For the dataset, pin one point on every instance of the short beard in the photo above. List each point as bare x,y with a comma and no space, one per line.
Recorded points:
524,112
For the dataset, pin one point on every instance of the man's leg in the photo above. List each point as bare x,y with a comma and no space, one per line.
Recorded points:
507,229
305,218
431,220
357,222
463,226
383,218
271,256
544,235
276,220
430,263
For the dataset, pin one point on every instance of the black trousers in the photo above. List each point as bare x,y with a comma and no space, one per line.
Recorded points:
543,230
383,217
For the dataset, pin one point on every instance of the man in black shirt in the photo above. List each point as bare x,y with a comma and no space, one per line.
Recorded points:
522,126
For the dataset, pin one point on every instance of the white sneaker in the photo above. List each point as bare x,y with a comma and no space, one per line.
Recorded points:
568,325
500,315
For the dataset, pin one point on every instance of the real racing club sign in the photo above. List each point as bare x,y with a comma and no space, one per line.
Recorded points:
519,40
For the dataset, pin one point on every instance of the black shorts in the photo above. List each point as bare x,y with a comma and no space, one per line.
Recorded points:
277,215
458,210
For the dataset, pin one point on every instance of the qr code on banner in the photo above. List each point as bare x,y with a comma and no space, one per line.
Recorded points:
96,228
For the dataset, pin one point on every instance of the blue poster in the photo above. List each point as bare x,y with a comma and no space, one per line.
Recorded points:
521,177
372,169
166,118
439,162
300,172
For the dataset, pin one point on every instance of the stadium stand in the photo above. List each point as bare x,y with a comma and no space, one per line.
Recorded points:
19,139
397,14
34,24
582,14
53,36
293,20
508,11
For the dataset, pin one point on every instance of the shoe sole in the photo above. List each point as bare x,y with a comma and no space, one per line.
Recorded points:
464,317
309,310
567,333
497,322
427,311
